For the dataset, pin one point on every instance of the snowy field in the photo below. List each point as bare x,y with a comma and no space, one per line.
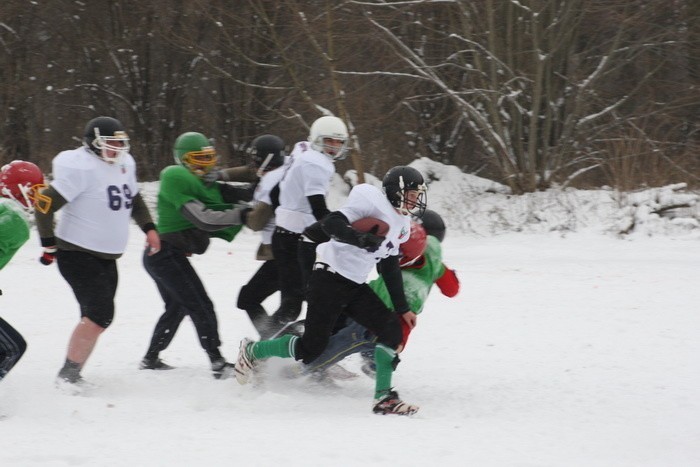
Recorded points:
575,349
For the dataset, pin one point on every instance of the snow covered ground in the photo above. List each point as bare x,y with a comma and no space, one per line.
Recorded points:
565,347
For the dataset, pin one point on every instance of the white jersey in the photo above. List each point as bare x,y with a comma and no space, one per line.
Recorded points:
262,195
309,173
353,262
100,197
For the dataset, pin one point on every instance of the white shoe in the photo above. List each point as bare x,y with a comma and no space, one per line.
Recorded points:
244,363
391,404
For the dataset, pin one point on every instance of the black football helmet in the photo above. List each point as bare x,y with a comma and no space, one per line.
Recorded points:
107,138
433,224
267,153
400,180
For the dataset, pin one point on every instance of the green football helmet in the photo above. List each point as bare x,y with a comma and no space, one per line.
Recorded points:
195,152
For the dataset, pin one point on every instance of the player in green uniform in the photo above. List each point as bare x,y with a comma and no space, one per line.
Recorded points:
190,211
19,185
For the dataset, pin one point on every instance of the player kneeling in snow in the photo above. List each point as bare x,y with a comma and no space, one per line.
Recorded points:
337,284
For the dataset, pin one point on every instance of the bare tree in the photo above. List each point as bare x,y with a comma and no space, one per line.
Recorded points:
528,77
527,92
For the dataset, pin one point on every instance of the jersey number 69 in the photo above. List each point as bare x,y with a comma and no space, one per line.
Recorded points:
119,198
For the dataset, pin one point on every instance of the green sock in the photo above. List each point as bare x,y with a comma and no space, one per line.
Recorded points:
280,347
383,356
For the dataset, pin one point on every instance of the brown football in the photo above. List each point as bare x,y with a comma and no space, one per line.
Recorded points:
368,223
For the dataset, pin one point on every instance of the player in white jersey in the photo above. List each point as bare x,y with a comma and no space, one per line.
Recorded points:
96,190
302,201
270,160
337,285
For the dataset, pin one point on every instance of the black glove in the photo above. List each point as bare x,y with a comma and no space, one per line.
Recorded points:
369,241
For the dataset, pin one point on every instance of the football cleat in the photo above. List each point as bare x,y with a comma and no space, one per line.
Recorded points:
390,404
154,364
222,369
245,362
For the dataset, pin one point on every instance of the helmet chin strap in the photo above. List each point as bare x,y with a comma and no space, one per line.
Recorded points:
403,207
263,166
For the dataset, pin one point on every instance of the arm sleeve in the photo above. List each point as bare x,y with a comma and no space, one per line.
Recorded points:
141,214
315,233
390,271
448,283
318,206
44,221
336,225
209,220
275,196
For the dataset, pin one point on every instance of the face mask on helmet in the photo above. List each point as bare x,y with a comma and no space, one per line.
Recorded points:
22,181
195,152
405,189
329,135
107,138
413,248
267,153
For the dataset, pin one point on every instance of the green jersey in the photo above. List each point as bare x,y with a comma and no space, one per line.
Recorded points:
14,230
179,186
418,280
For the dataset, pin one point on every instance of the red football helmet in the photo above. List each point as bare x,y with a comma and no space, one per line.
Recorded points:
21,181
413,248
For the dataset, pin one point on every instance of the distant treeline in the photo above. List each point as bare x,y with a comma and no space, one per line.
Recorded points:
529,93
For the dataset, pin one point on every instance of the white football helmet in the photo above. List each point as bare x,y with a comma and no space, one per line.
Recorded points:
329,127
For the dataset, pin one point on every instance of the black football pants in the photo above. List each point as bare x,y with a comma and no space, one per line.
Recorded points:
285,248
183,294
331,296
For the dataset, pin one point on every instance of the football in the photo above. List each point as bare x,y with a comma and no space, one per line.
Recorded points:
368,223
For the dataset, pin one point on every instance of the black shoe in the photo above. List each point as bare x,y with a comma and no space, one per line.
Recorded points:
221,369
70,375
154,364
